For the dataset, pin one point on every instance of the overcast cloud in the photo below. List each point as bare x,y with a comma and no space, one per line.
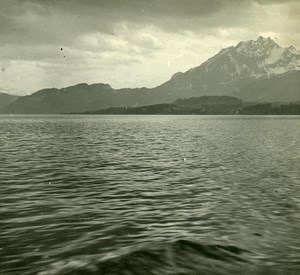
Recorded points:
128,43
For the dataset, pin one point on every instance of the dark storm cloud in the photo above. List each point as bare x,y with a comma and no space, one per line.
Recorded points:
61,21
266,2
54,22
152,7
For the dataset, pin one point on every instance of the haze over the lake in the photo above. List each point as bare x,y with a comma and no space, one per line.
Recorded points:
128,43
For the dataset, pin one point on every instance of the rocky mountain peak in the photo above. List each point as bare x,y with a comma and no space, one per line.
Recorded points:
257,48
235,66
261,57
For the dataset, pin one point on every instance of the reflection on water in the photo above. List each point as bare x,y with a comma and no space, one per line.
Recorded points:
149,195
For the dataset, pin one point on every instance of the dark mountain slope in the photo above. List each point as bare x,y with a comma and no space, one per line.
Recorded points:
6,99
81,98
280,88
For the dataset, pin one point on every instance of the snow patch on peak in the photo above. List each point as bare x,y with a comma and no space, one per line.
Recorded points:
274,55
293,50
266,57
242,46
277,70
253,58
256,47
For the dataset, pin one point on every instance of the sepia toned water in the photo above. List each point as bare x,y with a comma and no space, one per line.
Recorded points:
149,194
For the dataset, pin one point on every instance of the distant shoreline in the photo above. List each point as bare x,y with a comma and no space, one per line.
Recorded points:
202,109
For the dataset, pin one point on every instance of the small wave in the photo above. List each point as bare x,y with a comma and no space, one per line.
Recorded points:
217,252
177,257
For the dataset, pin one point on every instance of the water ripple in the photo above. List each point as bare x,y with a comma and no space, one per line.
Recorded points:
149,195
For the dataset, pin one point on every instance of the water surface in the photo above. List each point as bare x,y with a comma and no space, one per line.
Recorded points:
149,194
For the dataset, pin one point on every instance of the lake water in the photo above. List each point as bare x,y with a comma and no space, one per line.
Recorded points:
149,195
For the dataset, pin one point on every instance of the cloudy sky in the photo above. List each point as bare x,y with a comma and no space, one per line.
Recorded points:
128,43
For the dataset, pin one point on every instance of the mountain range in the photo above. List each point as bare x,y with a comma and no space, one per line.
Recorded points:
7,99
254,71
